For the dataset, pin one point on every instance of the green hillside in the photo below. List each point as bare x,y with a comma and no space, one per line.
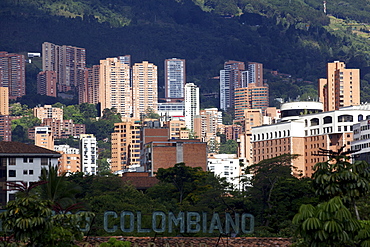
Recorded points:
292,36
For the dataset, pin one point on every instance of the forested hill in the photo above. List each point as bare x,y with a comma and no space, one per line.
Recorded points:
291,36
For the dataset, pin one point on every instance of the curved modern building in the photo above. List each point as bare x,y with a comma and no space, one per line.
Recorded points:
294,110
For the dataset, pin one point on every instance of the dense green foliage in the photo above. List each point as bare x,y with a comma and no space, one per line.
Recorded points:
292,36
335,221
34,221
183,188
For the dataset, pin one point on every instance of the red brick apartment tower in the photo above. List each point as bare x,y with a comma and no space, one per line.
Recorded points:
47,83
12,74
88,92
68,62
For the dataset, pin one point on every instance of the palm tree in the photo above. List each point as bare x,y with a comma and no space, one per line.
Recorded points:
57,189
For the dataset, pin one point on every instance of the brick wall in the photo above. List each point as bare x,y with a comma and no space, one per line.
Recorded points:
192,242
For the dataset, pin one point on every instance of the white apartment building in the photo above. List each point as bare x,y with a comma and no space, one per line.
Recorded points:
88,154
361,141
227,166
192,104
171,109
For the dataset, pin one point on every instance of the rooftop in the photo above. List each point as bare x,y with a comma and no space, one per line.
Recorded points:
21,148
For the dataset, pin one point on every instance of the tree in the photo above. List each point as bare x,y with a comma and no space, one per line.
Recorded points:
150,113
183,178
267,174
88,110
27,218
328,224
73,112
339,184
31,221
57,188
338,177
230,147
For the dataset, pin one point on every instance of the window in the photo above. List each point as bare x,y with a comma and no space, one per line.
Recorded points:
25,160
328,119
345,118
30,172
11,197
314,122
12,161
25,172
12,173
44,161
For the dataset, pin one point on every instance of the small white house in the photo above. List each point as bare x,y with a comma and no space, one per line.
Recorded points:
21,162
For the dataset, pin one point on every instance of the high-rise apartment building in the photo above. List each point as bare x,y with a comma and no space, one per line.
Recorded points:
340,88
12,74
88,154
192,104
44,137
126,59
144,88
6,128
47,83
126,145
251,97
177,128
68,62
255,73
70,160
175,78
231,77
88,92
252,118
206,123
47,111
4,101
114,86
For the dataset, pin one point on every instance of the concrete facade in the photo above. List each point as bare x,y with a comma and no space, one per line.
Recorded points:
166,154
88,154
126,140
47,83
4,101
175,78
114,86
192,104
44,137
13,74
68,62
144,88
306,135
340,88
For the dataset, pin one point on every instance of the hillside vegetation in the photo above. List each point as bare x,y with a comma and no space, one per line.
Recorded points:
292,36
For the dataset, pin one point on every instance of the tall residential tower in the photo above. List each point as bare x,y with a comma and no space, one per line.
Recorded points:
175,78
340,88
114,86
144,88
68,62
12,74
